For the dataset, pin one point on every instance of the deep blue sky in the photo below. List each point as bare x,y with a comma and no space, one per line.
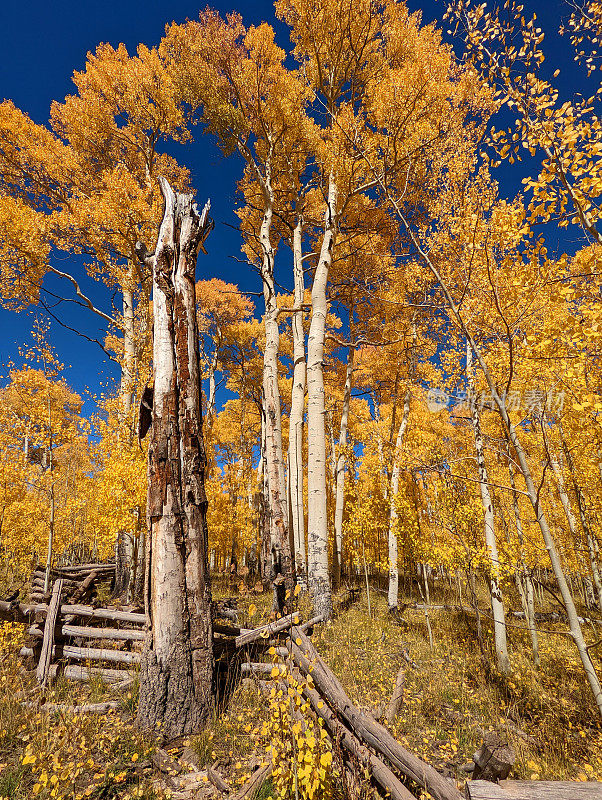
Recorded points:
43,41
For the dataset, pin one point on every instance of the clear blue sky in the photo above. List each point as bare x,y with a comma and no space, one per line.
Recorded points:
43,41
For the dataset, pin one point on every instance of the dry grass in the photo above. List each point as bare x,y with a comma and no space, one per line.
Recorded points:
452,696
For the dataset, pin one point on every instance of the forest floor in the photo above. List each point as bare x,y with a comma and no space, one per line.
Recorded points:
452,696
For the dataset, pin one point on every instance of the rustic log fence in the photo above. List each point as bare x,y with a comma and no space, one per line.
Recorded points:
108,648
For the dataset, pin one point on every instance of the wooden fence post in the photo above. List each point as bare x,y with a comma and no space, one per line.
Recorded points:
49,629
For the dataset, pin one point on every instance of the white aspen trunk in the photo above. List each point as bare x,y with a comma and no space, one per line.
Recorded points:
318,579
337,551
176,676
124,546
295,446
497,603
532,493
514,440
393,593
523,576
282,567
52,499
591,544
212,369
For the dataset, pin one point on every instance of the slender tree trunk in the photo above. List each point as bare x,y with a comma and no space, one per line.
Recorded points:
295,446
513,439
393,593
129,351
497,603
319,583
176,674
125,546
337,549
52,498
591,548
523,576
282,566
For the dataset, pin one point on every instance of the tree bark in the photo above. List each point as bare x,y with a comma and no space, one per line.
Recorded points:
176,675
295,446
589,538
497,602
337,550
317,520
393,592
523,575
281,561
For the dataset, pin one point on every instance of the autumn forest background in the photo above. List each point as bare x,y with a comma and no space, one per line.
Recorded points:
398,316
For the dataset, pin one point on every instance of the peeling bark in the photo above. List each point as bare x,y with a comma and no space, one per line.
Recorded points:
176,675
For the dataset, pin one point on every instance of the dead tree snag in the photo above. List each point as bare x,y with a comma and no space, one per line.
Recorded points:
176,675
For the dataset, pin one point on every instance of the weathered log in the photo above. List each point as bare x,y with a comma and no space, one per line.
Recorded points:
307,627
76,569
85,587
494,759
386,778
67,708
38,582
396,701
113,634
217,780
76,672
255,668
49,633
534,790
90,654
229,630
20,612
111,614
265,631
255,782
364,726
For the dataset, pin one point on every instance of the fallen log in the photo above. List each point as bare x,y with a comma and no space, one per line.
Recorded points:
20,612
111,614
75,672
85,587
255,782
113,634
534,790
396,701
217,780
494,759
385,777
255,668
89,654
77,568
228,630
67,708
363,726
307,626
265,631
